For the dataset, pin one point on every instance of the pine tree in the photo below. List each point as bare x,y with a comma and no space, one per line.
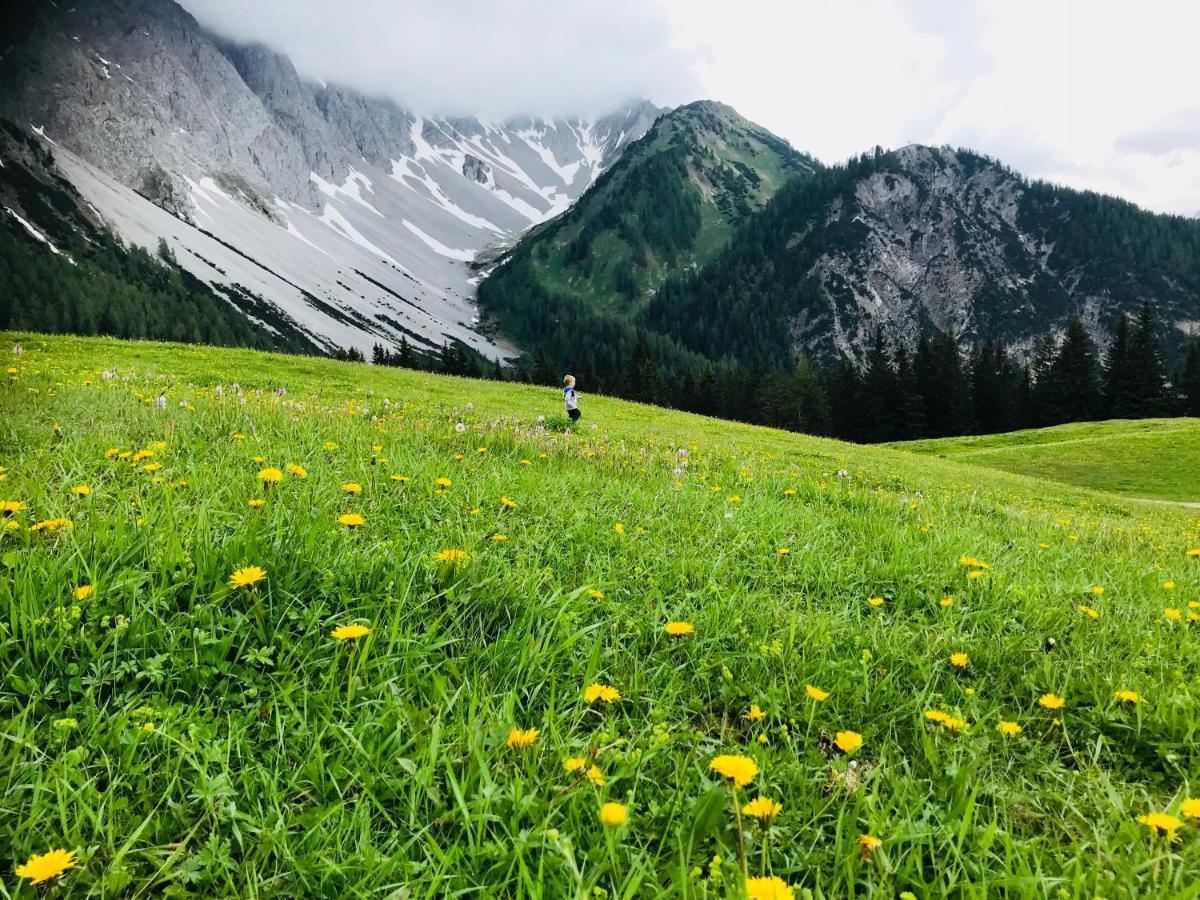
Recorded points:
1070,389
1117,388
878,393
1189,381
1147,377
811,397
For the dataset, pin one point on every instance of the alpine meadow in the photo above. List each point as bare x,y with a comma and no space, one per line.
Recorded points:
291,627
645,450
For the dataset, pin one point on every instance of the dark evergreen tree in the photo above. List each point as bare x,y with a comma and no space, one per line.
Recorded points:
1147,382
1189,379
1118,388
1070,390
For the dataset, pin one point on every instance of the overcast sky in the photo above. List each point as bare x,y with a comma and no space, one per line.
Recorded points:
1093,93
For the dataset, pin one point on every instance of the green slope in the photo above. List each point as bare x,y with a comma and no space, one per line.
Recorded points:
190,738
1151,458
669,205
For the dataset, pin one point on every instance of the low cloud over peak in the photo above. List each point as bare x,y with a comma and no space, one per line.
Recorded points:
470,57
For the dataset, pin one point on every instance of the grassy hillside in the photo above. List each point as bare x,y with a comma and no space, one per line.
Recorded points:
1153,458
669,205
188,737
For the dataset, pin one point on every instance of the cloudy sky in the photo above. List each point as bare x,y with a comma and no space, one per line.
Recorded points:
1097,94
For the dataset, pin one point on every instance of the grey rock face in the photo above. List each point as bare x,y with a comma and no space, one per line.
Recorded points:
476,169
945,242
317,183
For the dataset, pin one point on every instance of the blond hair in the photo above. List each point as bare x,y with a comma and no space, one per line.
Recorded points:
568,380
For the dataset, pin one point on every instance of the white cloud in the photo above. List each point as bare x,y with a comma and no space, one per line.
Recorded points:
1097,94
471,57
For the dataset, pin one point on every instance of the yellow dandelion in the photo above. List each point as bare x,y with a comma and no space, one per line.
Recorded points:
738,769
84,591
270,476
1190,808
1168,585
400,479
789,492
1088,611
1173,613
816,693
975,573
574,764
972,563
351,520
11,507
1129,696
526,462
603,692
1051,701
298,471
959,660
1008,729
848,741
762,808
936,715
768,887
614,815
784,551
954,724
1161,822
1194,551
868,844
595,594
875,601
1098,590
82,490
451,555
619,528
352,487
255,502
45,866
499,538
679,629
520,738
946,602
350,632
247,576
754,713
443,483
508,503
330,445
595,776
151,467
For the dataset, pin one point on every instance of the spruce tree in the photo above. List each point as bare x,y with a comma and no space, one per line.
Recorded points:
1070,389
1117,388
1189,381
1147,382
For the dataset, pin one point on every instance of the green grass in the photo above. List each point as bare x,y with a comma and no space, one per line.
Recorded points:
1151,458
284,763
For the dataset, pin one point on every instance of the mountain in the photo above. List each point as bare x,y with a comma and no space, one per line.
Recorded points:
62,270
352,216
668,206
924,239
916,241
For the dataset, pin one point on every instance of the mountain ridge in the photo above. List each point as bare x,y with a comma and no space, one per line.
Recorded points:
341,192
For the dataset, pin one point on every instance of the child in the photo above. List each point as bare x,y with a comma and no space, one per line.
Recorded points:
570,398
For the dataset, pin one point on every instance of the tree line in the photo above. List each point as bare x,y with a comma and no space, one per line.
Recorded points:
937,389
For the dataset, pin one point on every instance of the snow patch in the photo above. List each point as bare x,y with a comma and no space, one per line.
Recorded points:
337,222
40,131
437,246
352,188
38,236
